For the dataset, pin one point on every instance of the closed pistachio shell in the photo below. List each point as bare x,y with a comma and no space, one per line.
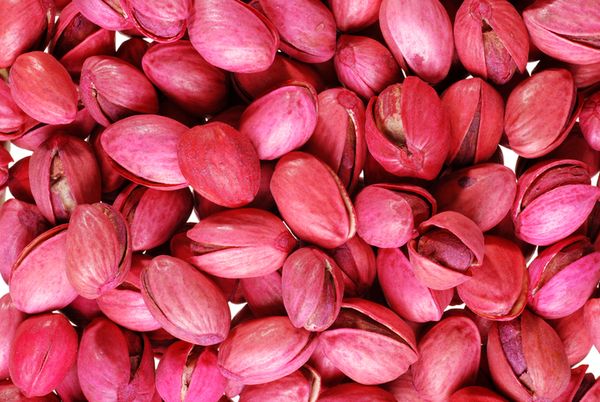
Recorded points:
405,294
20,223
263,294
220,163
303,385
353,15
115,363
491,39
498,289
521,366
200,315
107,14
565,30
419,34
281,121
574,335
10,318
312,289
44,348
189,373
240,40
63,173
162,21
186,78
562,277
264,350
407,130
42,261
312,200
306,27
98,249
144,150
356,259
589,119
356,393
42,87
476,393
241,243
372,334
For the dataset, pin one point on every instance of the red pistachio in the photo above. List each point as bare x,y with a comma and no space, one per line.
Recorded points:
42,87
553,199
263,294
10,392
281,121
220,163
356,259
44,348
64,173
562,277
303,385
387,214
144,150
306,27
98,249
112,89
312,289
13,121
69,389
42,261
162,21
354,15
404,293
132,51
523,367
108,14
491,39
115,364
241,39
264,350
185,77
125,305
354,60
540,112
111,179
241,243
476,113
10,318
199,315
189,373
419,34
82,311
18,181
476,393
356,393
592,323
407,130
449,358
565,30
574,335
498,289
589,119
449,247
372,334
312,200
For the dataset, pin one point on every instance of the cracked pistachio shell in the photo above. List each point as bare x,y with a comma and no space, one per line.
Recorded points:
356,259
306,28
63,173
199,315
540,112
220,163
387,214
43,261
497,290
565,30
264,350
419,35
10,318
339,137
240,243
354,15
374,335
404,293
98,249
312,289
20,223
44,348
241,39
553,199
108,14
160,20
115,364
144,150
303,385
407,130
153,216
112,89
312,200
491,39
356,393
449,358
449,247
282,120
42,87
563,277
189,373
523,367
